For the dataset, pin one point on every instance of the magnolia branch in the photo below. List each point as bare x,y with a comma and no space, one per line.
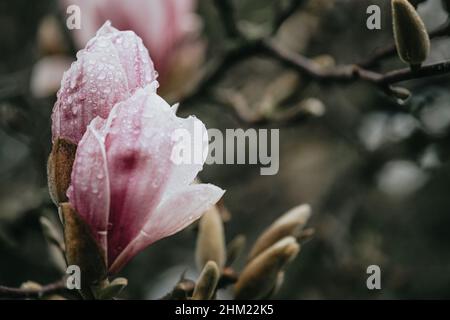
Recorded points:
246,48
391,50
343,73
17,293
306,67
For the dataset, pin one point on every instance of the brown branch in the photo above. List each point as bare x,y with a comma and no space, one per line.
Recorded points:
351,72
391,50
17,293
405,74
243,48
217,69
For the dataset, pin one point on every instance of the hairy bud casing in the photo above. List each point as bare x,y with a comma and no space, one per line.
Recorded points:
211,239
259,277
207,282
289,224
59,169
411,37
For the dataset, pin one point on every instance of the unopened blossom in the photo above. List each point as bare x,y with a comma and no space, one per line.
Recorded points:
169,29
113,65
124,183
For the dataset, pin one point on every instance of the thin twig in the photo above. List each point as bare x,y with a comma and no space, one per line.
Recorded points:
218,67
351,72
244,48
17,293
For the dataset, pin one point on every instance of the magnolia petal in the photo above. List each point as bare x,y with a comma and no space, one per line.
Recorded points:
89,192
190,135
133,55
162,24
89,88
138,148
111,67
173,215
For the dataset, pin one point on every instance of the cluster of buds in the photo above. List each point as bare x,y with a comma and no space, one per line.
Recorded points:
264,270
110,170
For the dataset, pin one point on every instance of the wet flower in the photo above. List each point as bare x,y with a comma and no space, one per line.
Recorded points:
124,184
169,29
112,67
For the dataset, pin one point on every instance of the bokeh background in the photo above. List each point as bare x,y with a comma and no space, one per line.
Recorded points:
374,170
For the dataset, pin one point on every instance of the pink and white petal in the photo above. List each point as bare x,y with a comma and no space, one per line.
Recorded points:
193,136
138,148
89,192
132,54
134,58
90,88
173,215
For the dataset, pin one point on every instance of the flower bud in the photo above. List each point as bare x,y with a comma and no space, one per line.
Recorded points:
207,282
59,169
259,277
211,239
411,37
113,65
235,248
82,250
50,37
289,224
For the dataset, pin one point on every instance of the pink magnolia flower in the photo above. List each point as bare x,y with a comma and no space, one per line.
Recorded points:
125,185
169,28
113,66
